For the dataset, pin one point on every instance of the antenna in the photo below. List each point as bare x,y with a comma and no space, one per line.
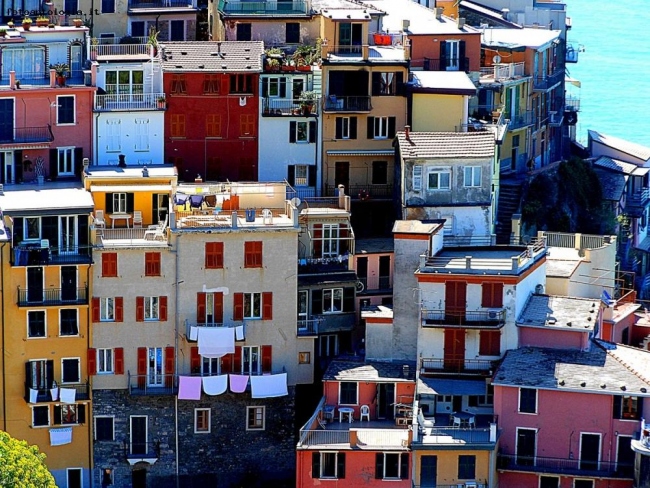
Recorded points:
295,201
496,59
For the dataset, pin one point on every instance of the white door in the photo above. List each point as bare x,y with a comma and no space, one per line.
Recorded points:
67,234
155,367
453,53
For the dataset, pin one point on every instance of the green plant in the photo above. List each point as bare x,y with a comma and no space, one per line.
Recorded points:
42,18
308,97
22,464
161,99
3,32
273,64
27,20
152,40
61,69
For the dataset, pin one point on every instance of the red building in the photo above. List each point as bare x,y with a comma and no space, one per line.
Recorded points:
211,123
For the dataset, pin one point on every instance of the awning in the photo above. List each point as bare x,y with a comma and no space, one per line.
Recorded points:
361,152
216,342
269,386
441,386
129,188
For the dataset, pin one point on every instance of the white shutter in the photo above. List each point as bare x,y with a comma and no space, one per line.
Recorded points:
113,130
141,134
417,177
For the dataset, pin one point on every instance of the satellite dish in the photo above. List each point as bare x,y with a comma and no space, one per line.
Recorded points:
360,286
496,59
295,201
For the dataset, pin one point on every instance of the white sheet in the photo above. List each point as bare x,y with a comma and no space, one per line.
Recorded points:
216,342
268,386
33,395
58,437
68,395
54,393
215,385
239,333
194,333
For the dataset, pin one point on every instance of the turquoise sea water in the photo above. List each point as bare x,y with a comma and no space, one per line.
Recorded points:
614,69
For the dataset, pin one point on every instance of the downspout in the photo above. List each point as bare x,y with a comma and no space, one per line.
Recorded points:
90,404
4,351
178,238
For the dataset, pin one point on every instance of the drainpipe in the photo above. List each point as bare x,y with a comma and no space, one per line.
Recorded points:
90,404
4,356
176,281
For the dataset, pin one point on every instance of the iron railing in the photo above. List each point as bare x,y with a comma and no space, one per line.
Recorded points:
268,7
336,103
503,71
127,102
162,4
26,135
120,50
565,466
127,237
152,385
189,325
141,450
457,435
308,327
439,365
274,107
365,192
52,296
545,82
464,318
450,64
322,265
45,395
522,119
36,255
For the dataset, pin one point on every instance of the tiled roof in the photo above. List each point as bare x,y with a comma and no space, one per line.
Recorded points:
631,148
370,371
210,56
422,20
612,184
606,367
516,38
446,144
559,312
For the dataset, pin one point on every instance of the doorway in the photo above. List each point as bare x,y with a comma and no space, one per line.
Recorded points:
454,352
385,400
526,447
138,434
8,170
35,284
139,478
68,283
589,451
428,471
341,176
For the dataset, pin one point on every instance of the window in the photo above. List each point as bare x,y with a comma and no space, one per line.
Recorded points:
417,178
549,482
246,125
328,465
108,6
583,483
179,85
328,345
439,180
41,374
244,31
119,203
137,28
213,255
68,322
241,84
152,264
127,84
627,407
36,323
69,414
386,83
104,361
292,33
253,254
251,360
381,127
252,305
472,176
304,358
330,240
202,420
104,429
527,400
346,128
113,135
151,308
255,417
301,175
492,295
333,300
391,466
213,125
380,172
302,132
490,343
41,416
210,366
348,393
275,87
109,265
70,370
466,467
107,309
177,125
65,161
210,84
65,109
107,477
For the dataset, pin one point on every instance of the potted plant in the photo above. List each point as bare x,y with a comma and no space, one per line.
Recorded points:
307,101
42,21
152,40
10,24
61,70
77,22
288,66
3,32
27,23
272,64
274,58
161,101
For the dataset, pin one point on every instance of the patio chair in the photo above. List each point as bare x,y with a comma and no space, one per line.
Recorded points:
100,223
425,424
365,412
156,232
137,219
196,201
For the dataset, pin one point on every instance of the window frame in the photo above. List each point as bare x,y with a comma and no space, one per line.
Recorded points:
287,33
331,307
463,467
345,401
301,175
336,475
76,321
63,382
106,304
208,366
29,335
211,84
475,173
60,110
556,478
400,475
241,84
107,353
253,254
258,420
379,173
214,255
96,430
40,408
380,127
69,407
109,266
198,413
250,297
213,127
331,234
119,203
439,172
152,264
248,365
526,401
65,160
345,128
178,84
152,309
177,126
304,357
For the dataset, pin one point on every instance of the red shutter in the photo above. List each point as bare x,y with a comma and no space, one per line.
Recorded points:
497,295
238,306
486,298
92,361
142,360
169,366
163,309
267,305
226,363
267,359
119,309
95,310
200,308
317,242
195,360
139,309
236,363
218,307
119,360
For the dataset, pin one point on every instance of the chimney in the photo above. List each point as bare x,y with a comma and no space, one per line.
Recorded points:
122,161
341,196
407,132
461,22
439,11
145,172
504,13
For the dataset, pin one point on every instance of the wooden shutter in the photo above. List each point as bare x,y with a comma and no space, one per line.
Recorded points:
130,198
109,203
348,299
139,309
78,160
18,230
618,407
49,371
399,84
92,361
379,465
353,127
312,132
118,354
218,307
142,360
119,309
195,360
200,308
371,128
81,413
238,306
267,305
236,360
376,84
339,128
316,302
311,175
170,363
162,302
267,359
226,363
28,378
340,465
490,343
57,415
391,127
461,55
292,132
291,174
315,464
492,295
317,243
443,56
404,468
54,164
96,316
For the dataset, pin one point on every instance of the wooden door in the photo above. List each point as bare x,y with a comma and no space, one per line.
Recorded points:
454,354
68,283
341,176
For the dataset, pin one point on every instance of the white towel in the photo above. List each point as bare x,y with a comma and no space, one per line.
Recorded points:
58,437
68,395
54,393
216,342
33,395
215,385
239,333
268,386
194,333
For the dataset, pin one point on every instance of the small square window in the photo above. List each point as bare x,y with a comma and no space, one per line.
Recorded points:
255,418
68,322
202,420
304,358
36,323
472,176
439,180
41,416
104,429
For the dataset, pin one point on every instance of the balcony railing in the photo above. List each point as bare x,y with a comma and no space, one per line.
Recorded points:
336,103
161,4
546,82
190,325
274,107
141,450
36,255
577,467
364,192
31,297
471,366
458,435
128,237
152,384
522,119
450,64
322,265
455,485
269,7
336,322
480,319
639,198
26,135
45,395
120,50
309,327
503,71
123,103
572,103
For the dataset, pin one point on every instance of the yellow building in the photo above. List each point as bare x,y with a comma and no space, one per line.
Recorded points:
46,276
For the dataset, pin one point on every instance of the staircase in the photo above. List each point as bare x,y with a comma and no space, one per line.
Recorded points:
509,201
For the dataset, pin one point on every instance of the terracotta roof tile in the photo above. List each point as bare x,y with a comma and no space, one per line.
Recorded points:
446,144
227,56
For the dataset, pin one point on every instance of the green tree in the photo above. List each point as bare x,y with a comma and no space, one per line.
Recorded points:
22,465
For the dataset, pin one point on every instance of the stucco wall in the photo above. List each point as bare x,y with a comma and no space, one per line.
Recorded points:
432,112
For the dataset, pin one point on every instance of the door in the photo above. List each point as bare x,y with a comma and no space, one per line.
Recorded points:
6,120
385,400
453,55
35,284
428,471
68,234
138,434
454,354
362,271
68,283
384,272
526,440
160,208
341,175
624,456
455,302
177,30
7,160
155,367
589,451
139,478
74,478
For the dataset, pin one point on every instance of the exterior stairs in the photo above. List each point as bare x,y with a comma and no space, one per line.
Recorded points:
509,202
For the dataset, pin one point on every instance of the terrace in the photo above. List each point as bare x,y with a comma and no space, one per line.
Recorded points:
129,237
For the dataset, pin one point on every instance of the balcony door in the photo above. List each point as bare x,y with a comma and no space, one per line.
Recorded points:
155,367
138,434
385,400
350,37
68,283
68,234
428,471
454,354
35,284
526,447
6,120
455,301
8,174
589,451
341,176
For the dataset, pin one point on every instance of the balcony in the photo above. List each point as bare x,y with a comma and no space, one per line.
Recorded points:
128,237
322,265
375,283
136,452
162,4
479,367
572,102
448,64
364,192
481,319
191,327
152,385
277,107
271,7
307,328
34,254
336,103
32,297
636,202
548,81
562,466
82,392
107,52
132,102
27,135
502,72
520,120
